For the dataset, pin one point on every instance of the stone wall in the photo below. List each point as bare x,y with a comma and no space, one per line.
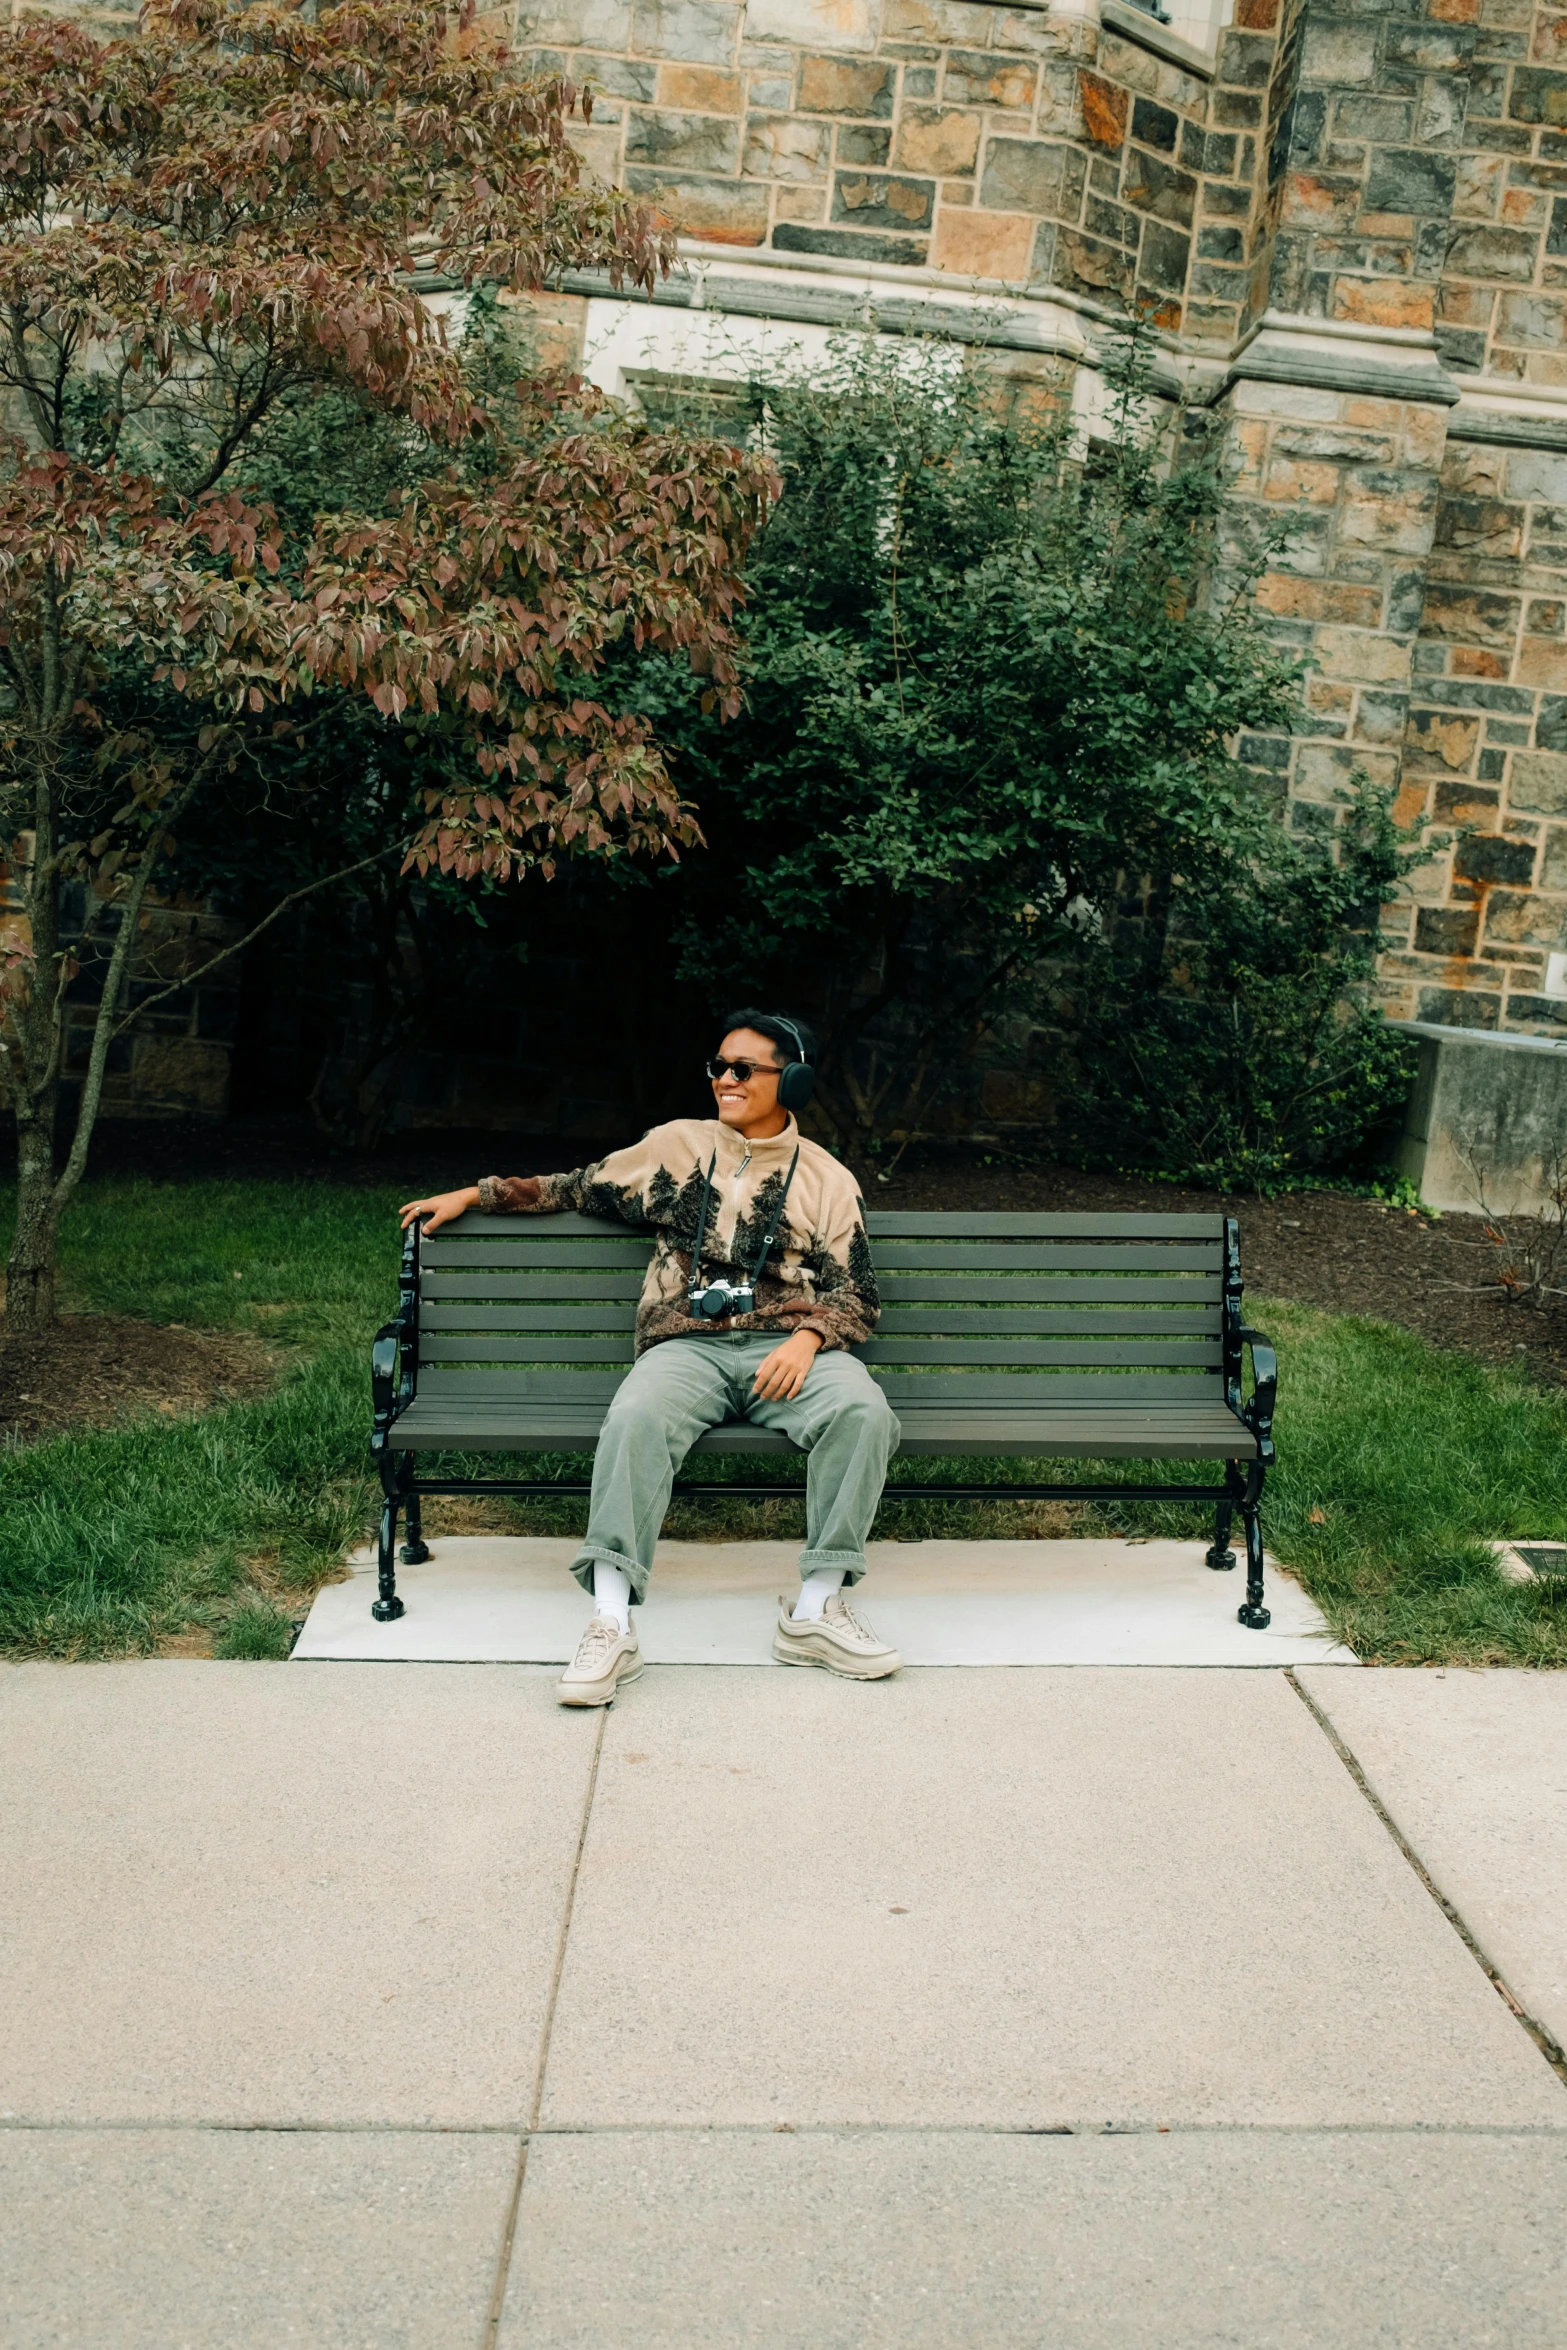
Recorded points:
176,1062
1013,143
1487,743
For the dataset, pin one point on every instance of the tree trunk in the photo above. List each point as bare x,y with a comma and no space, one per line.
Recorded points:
30,1268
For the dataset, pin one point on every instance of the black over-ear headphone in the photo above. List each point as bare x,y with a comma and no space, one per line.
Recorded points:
797,1079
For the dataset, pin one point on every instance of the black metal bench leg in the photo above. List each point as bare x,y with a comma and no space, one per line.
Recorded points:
387,1607
1221,1557
415,1550
1253,1613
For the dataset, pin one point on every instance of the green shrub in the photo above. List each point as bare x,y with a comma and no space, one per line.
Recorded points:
983,792
1235,1043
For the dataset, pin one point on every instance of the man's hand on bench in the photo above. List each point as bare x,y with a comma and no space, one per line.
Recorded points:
781,1374
445,1208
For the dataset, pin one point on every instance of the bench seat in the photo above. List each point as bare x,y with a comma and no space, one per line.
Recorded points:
1022,1338
1196,1431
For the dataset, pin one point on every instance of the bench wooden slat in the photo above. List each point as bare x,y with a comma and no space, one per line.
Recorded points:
981,1391
896,1286
612,1347
999,1321
881,1354
932,1321
567,1388
944,1224
1024,1288
579,1286
611,1315
908,1256
928,1256
888,1223
1079,1433
569,1226
593,1256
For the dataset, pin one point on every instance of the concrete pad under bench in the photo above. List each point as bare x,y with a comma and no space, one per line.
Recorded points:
1473,1768
206,2239
1019,1900
488,1597
942,2241
239,1893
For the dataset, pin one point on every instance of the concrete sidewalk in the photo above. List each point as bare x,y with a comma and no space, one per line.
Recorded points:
385,2005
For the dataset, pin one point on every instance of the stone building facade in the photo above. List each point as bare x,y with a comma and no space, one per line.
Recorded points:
1350,227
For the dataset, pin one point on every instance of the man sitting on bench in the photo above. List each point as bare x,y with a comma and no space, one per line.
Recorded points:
760,1281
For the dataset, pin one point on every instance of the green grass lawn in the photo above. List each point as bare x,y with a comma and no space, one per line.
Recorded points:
1398,1464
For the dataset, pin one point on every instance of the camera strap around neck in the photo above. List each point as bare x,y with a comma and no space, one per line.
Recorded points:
772,1229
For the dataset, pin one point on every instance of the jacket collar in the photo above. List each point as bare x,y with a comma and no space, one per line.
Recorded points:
776,1151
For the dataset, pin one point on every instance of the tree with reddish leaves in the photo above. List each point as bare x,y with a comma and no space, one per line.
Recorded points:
226,214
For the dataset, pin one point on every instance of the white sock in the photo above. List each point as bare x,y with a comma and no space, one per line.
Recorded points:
815,1592
612,1593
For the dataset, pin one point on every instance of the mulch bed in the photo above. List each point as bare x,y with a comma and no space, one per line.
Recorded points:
98,1370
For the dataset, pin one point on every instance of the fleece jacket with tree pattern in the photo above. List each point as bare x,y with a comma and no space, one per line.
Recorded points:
818,1274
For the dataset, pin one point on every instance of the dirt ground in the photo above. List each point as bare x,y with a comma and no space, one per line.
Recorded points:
1350,1256
94,1370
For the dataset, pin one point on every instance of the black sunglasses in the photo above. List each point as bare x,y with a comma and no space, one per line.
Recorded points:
743,1070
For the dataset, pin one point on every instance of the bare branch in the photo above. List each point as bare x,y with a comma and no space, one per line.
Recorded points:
378,857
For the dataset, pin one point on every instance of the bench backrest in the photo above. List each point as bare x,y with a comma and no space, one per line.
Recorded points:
536,1306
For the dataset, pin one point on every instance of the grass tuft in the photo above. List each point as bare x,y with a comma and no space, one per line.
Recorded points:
257,1632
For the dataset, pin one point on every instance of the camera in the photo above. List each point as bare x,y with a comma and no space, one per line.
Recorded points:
722,1297
713,1300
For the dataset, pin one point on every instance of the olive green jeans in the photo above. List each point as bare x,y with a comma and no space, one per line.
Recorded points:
683,1386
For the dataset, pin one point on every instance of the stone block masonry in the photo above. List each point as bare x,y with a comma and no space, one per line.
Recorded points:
175,1062
1009,144
1486,752
1359,478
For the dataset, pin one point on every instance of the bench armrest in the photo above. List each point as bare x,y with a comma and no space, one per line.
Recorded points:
394,1353
385,1382
1258,1413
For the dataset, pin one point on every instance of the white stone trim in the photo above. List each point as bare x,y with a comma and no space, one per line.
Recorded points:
624,339
1173,41
896,277
1284,347
1399,364
1504,395
1299,322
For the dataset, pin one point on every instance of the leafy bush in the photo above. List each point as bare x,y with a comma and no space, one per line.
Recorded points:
1234,1043
983,786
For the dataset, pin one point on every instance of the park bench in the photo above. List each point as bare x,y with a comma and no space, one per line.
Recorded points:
1028,1338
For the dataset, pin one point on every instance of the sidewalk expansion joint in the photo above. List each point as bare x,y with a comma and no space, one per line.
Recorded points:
1074,2129
16,2126
1549,2047
492,2322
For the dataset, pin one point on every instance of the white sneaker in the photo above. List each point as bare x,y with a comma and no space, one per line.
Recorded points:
605,1658
839,1639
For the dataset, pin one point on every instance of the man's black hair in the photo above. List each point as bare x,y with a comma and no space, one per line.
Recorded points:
769,1025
